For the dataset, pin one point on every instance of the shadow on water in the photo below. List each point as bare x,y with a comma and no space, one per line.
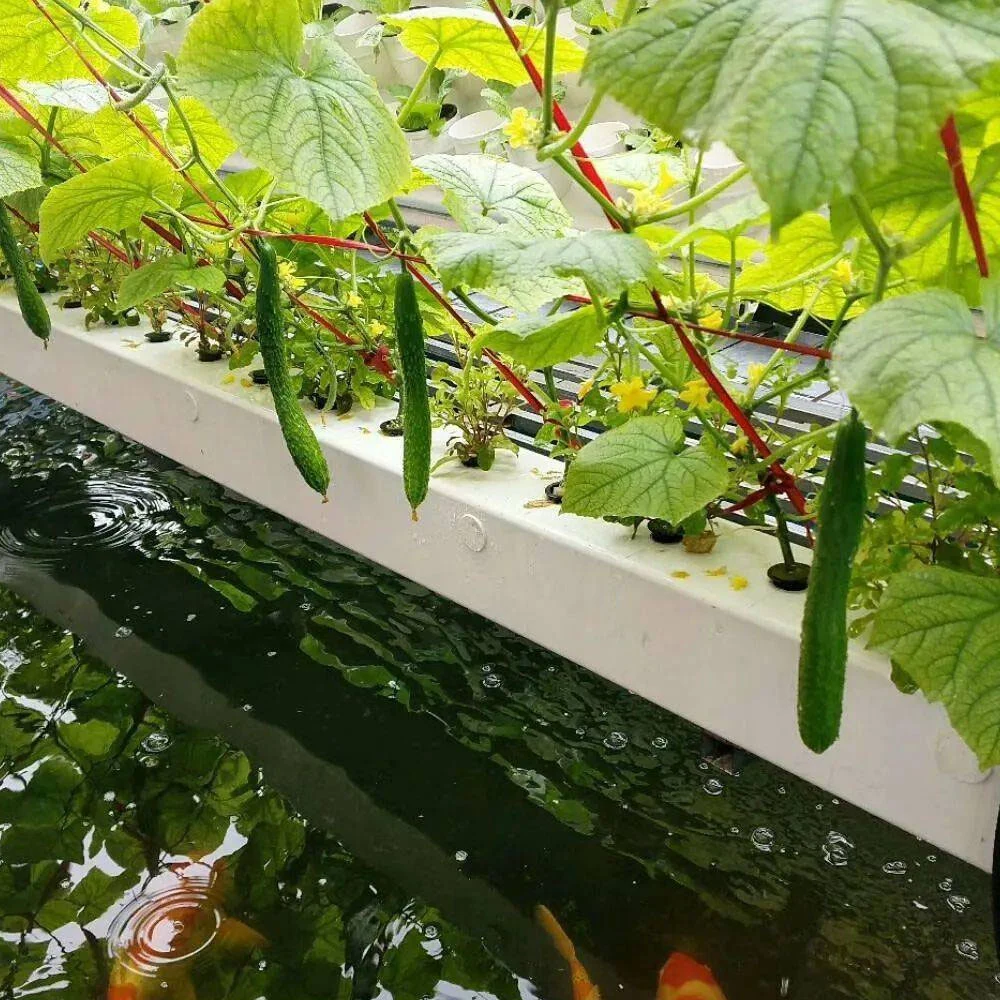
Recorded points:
378,781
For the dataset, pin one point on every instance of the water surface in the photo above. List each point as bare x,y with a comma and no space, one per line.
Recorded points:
238,761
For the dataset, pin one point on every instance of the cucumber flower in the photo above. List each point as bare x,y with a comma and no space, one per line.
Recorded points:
354,301
712,320
695,393
288,277
523,129
843,273
654,198
376,329
633,396
585,388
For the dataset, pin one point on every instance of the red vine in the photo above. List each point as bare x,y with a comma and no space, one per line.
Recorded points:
953,149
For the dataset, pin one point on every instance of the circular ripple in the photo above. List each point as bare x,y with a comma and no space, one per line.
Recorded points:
176,925
101,513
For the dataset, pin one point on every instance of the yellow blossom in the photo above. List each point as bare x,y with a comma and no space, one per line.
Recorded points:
680,574
696,393
632,395
376,329
654,198
739,582
740,447
523,129
585,388
755,373
718,571
713,320
286,272
354,301
844,273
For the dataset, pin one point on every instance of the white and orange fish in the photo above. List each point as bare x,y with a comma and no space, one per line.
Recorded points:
682,978
160,936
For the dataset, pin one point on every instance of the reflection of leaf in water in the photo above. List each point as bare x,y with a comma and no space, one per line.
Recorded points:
93,739
574,814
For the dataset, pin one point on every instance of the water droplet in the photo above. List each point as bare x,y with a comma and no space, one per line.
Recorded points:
968,949
932,858
248,707
10,658
191,618
580,731
734,830
461,855
894,868
492,681
713,787
149,760
946,885
763,839
122,632
489,668
786,983
616,740
959,903
919,905
659,743
156,742
781,790
836,849
431,931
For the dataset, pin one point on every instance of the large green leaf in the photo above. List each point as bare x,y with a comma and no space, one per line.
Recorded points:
471,39
18,167
113,196
942,627
918,360
639,470
483,193
32,49
818,97
537,342
166,275
215,144
803,247
302,109
527,272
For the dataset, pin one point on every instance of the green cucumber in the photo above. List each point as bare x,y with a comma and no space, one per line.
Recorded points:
299,436
416,408
823,654
33,309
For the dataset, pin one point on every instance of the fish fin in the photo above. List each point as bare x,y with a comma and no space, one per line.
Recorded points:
583,986
236,936
683,978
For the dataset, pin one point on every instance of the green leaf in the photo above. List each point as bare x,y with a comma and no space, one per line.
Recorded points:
301,109
991,307
918,360
18,167
805,246
472,40
819,98
91,739
730,220
530,271
113,195
942,627
537,342
639,470
167,275
484,193
215,144
32,49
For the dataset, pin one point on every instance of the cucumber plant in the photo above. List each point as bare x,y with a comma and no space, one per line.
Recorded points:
858,230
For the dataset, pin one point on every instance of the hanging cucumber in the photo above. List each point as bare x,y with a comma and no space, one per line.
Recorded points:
299,436
823,655
33,309
416,409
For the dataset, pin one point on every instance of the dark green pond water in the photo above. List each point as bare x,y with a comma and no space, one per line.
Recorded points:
239,762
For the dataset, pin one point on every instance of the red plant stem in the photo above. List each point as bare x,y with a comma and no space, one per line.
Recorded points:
701,364
22,112
953,149
149,136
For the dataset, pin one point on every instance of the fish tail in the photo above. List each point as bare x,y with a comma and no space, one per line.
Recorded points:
583,986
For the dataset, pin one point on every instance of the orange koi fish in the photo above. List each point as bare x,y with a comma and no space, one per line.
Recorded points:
682,978
159,937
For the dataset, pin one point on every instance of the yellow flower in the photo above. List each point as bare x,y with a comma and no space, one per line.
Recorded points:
653,198
696,393
713,320
585,388
632,395
740,447
739,582
354,301
286,272
376,329
523,129
755,373
844,273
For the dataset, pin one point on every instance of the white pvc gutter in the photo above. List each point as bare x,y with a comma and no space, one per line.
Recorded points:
723,658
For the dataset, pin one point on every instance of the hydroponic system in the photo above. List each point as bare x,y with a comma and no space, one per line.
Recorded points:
226,218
